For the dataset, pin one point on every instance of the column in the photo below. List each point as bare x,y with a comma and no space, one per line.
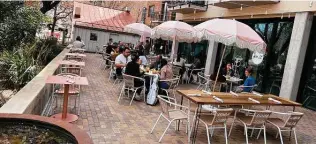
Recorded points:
211,57
296,55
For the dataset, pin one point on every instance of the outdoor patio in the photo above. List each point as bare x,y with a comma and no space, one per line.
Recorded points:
108,121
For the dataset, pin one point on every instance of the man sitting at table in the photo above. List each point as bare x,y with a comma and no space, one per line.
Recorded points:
121,61
133,69
249,82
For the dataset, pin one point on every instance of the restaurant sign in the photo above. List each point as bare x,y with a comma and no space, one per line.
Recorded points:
257,58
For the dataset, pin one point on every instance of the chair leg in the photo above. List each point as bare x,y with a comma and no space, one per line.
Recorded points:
212,132
246,134
231,127
281,138
208,134
264,135
294,132
225,128
134,94
121,93
155,124
259,134
165,131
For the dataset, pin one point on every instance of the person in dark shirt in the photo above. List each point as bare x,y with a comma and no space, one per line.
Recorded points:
133,69
228,70
147,47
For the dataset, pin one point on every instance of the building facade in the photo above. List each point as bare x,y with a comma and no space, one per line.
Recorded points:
288,27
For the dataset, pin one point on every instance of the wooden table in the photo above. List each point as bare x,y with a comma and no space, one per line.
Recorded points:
65,116
230,99
72,62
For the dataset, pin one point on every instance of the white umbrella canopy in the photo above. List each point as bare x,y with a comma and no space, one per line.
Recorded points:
171,30
176,31
231,32
138,28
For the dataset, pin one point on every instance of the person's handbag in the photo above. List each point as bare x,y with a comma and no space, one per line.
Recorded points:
153,90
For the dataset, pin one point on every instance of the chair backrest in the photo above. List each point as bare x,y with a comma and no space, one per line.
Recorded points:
221,116
201,78
173,83
260,117
71,70
128,80
176,70
164,105
293,119
76,58
253,87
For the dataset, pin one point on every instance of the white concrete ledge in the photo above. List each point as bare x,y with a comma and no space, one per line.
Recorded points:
32,98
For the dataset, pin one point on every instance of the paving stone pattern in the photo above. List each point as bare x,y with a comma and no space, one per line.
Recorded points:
108,121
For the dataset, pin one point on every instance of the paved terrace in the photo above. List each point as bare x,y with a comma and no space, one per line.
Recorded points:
108,121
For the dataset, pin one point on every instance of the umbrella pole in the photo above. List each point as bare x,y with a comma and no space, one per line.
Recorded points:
219,68
173,49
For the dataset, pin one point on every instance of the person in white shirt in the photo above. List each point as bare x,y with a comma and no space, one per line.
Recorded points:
121,61
142,58
78,43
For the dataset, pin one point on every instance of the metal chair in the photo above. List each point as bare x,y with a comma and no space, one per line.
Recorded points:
171,115
216,120
74,90
191,74
173,84
203,81
129,85
176,72
256,121
252,88
276,83
72,70
221,84
105,60
287,124
76,58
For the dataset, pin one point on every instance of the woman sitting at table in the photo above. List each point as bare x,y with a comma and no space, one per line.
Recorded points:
165,73
115,52
157,64
133,69
249,82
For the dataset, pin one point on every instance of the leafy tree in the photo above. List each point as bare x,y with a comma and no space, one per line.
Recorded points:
48,5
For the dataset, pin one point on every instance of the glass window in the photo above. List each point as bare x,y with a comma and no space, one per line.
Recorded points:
93,37
143,14
269,72
151,11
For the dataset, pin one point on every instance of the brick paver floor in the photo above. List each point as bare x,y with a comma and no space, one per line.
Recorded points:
108,121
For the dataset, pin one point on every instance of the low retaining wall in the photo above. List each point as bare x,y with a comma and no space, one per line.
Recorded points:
32,98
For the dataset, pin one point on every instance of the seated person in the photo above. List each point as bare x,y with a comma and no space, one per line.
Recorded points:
78,43
228,70
114,53
142,58
165,74
197,64
133,69
250,81
121,61
157,64
180,62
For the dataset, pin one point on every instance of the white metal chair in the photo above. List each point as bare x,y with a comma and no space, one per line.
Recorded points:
173,84
74,90
252,88
128,85
171,115
76,58
176,72
77,70
216,120
191,74
105,60
220,84
203,81
255,121
288,124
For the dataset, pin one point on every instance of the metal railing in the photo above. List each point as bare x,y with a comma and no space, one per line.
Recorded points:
161,17
187,2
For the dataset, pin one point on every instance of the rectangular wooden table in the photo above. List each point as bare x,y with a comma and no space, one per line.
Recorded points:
66,81
230,99
72,62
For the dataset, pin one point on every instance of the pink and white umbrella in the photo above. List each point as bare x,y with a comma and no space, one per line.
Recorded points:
230,33
138,28
176,31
